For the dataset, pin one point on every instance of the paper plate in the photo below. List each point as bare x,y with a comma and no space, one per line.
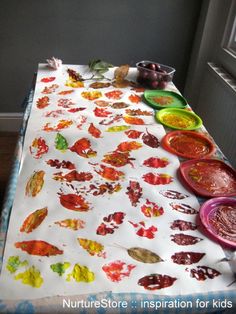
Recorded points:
217,216
209,177
159,99
179,119
188,144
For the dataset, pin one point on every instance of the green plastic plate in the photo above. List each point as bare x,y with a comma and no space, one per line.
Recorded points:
179,119
159,99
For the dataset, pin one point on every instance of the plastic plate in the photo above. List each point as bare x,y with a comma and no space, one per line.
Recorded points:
159,99
211,213
188,144
209,177
179,119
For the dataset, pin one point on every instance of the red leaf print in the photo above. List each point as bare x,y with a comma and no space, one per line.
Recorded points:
110,173
42,102
184,239
38,148
134,98
73,110
115,94
155,162
128,146
133,120
110,188
201,273
157,179
150,140
95,132
156,281
57,164
82,147
133,134
151,209
73,176
101,112
184,208
118,159
173,194
47,79
183,225
134,191
74,202
110,223
117,270
142,232
187,258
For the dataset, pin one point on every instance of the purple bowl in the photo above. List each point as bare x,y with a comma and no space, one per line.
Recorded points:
208,210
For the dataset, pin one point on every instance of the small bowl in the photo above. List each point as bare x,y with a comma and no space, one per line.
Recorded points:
154,75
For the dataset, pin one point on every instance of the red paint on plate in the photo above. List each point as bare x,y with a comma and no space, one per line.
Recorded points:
188,144
209,177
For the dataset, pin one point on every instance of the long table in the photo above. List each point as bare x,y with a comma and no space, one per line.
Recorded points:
88,201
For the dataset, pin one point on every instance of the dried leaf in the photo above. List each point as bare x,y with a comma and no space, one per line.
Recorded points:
144,255
121,72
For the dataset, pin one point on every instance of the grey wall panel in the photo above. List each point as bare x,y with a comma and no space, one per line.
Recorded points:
76,31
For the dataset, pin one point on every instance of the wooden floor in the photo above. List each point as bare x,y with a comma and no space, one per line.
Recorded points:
7,147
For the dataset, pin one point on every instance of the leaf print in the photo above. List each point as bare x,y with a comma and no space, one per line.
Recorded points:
48,79
183,225
102,103
134,191
118,128
138,112
61,143
42,102
151,209
97,85
73,224
117,270
118,159
83,148
110,173
74,202
34,220
62,124
187,258
128,146
66,92
184,239
14,263
38,148
155,162
110,223
65,103
38,247
184,208
73,176
115,94
201,273
91,95
92,247
142,231
150,140
133,134
50,89
60,164
156,281
133,120
101,112
81,273
173,194
31,277
134,98
35,183
119,105
95,132
60,268
103,188
157,178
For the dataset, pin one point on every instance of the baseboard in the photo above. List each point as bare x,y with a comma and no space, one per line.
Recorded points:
10,121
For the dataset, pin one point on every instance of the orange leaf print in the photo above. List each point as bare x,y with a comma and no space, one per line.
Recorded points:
95,132
34,220
35,183
110,173
128,146
134,98
133,120
115,94
42,102
38,247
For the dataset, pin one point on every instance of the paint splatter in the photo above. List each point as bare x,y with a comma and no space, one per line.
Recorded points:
73,224
74,202
60,268
38,247
35,183
144,232
42,102
151,209
118,159
31,277
82,147
81,274
14,263
157,178
34,220
117,270
92,247
110,173
155,162
134,191
38,148
156,282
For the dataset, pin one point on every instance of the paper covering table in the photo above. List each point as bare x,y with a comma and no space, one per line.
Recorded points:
99,211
